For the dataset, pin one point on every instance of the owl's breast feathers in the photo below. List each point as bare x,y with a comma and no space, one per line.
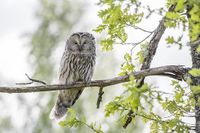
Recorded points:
79,67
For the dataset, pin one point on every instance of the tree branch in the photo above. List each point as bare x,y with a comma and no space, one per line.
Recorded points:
32,81
177,70
152,47
153,44
100,94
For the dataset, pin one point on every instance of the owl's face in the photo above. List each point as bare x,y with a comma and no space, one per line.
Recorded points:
81,43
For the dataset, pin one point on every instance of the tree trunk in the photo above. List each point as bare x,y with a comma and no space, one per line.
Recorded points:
196,82
195,64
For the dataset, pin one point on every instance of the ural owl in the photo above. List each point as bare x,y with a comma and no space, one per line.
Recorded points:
77,64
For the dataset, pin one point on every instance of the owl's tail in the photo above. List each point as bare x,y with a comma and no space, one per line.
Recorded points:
66,99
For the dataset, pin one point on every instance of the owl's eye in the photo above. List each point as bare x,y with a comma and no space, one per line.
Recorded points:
75,43
84,42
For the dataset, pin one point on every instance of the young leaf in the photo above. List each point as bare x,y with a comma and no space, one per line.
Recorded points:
196,89
195,72
170,40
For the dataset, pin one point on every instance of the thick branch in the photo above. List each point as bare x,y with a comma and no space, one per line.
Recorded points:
152,47
171,70
153,44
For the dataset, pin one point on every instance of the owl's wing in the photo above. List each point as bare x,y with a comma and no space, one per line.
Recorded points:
64,69
63,74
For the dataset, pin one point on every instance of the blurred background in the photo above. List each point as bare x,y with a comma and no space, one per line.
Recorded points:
32,40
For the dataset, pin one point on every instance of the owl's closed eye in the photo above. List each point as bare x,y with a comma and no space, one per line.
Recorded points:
81,44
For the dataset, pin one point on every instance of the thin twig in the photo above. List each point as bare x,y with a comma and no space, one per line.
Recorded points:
137,43
129,119
143,39
139,28
27,83
100,94
150,11
32,81
36,80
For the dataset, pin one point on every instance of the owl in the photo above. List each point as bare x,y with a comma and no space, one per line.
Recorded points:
77,64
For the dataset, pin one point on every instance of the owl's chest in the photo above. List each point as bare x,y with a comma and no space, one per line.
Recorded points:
80,64
76,68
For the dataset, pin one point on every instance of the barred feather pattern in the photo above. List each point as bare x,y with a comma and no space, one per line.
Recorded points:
75,66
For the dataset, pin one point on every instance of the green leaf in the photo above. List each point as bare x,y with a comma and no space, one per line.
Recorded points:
178,96
131,78
140,56
100,28
107,44
127,57
196,89
195,72
71,113
62,123
170,24
144,88
111,108
172,123
172,15
180,5
154,127
84,120
170,106
103,13
123,37
170,40
122,73
195,13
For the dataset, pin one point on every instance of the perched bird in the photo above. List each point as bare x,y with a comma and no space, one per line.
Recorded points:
77,64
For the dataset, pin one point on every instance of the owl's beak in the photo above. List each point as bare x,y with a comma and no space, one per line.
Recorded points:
80,47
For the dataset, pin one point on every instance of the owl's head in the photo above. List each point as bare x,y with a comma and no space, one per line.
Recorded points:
81,43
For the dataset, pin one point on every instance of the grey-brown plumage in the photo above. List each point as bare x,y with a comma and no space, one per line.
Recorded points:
77,64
